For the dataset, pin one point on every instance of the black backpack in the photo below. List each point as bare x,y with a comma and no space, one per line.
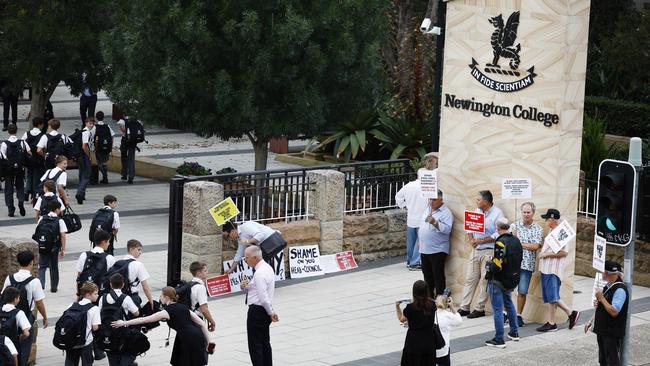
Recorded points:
6,358
94,270
45,204
47,233
108,338
16,155
39,187
135,343
32,141
511,261
136,131
103,139
9,325
72,150
70,329
102,220
121,267
23,305
184,292
55,147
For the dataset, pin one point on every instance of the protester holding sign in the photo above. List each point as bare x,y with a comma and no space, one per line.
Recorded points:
551,265
483,244
246,234
410,197
435,230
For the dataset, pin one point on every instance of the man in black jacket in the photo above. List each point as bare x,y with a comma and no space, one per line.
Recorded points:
611,315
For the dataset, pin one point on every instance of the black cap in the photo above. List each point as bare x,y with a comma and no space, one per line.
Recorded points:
611,266
551,213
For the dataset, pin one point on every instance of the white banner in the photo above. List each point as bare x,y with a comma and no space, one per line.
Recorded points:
429,183
516,188
304,261
600,247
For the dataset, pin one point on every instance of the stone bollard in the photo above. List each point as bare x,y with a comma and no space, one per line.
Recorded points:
202,239
327,203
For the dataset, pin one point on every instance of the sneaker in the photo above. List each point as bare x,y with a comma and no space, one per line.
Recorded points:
548,328
573,318
494,343
520,321
463,312
514,336
476,314
505,317
414,268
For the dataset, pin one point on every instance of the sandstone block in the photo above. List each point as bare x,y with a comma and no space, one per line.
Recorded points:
355,225
213,262
9,248
299,232
331,246
327,201
198,198
396,220
208,244
331,230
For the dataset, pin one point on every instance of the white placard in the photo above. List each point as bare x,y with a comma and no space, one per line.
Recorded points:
516,188
244,270
598,286
428,183
560,236
304,261
600,247
329,263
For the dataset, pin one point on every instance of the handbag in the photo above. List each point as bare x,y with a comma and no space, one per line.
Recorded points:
273,245
437,334
71,220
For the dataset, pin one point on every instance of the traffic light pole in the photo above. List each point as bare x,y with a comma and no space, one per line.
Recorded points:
634,158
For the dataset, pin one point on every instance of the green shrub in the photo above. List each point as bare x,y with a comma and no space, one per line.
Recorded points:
593,147
621,117
192,168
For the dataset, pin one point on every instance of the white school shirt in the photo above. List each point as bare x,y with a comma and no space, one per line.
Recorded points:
92,318
21,319
88,137
37,205
10,345
34,132
110,260
12,138
446,321
33,289
136,272
198,295
51,173
116,217
62,226
128,306
410,197
42,143
262,287
249,230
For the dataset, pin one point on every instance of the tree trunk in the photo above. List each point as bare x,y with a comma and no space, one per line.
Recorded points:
40,96
261,148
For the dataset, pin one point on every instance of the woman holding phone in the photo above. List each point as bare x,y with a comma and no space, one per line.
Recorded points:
419,346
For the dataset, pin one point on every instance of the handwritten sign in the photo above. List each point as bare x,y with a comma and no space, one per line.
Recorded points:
304,261
600,247
516,188
474,222
243,270
224,211
429,183
559,237
218,285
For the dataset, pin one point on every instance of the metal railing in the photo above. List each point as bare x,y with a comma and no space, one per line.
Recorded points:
587,198
374,193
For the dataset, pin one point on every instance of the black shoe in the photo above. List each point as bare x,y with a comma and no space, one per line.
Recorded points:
476,314
463,312
12,211
520,321
22,210
103,181
100,355
548,327
123,178
130,181
514,336
573,318
53,290
494,343
4,128
80,200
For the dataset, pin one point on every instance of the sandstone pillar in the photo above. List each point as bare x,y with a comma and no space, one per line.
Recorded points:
327,203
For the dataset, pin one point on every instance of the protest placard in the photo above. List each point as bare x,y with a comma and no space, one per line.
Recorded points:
244,270
218,285
429,183
304,261
559,237
338,262
516,188
474,222
599,283
224,211
600,247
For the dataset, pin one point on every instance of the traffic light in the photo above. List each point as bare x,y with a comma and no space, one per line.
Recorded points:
615,199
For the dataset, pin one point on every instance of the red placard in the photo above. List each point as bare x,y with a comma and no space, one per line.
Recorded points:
474,222
218,285
346,260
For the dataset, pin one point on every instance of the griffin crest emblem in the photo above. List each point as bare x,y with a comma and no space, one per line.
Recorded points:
503,38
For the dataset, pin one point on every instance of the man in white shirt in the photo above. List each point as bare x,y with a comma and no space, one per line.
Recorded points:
247,233
15,151
34,296
51,258
128,307
11,298
87,137
199,293
60,177
410,198
89,294
260,307
37,168
138,274
103,132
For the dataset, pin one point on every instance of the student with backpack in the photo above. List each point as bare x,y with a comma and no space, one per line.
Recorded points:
74,329
13,321
103,145
132,134
87,138
42,205
199,293
136,274
36,167
16,152
59,176
94,264
31,297
115,305
107,219
50,234
8,352
53,144
503,277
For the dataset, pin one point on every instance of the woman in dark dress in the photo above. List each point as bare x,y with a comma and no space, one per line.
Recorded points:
419,347
192,339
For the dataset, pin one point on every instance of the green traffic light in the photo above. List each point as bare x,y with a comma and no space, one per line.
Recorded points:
610,224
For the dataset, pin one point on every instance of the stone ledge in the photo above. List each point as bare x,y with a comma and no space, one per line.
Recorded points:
144,167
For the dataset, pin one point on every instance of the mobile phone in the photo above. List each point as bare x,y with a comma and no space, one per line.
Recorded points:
447,292
211,348
404,301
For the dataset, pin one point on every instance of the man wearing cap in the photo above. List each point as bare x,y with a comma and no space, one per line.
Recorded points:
611,315
551,265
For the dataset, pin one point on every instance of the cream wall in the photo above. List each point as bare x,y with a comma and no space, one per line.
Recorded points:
477,152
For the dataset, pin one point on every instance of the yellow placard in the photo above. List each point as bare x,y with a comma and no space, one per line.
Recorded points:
224,211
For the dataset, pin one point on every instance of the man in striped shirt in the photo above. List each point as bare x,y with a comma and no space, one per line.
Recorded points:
551,265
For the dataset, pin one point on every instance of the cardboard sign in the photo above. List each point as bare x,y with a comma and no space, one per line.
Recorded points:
429,183
304,261
338,262
224,211
600,247
516,188
218,285
244,270
474,222
560,236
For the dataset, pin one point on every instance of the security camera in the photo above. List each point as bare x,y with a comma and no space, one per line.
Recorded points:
424,27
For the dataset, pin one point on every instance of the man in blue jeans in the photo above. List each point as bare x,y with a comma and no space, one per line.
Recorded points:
503,276
410,198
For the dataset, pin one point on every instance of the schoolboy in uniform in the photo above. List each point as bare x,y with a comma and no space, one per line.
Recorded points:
89,293
35,297
87,137
52,130
51,259
138,274
61,181
37,168
110,202
102,158
199,294
11,298
42,204
15,180
117,282
101,244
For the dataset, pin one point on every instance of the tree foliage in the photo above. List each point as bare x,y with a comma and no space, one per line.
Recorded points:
255,68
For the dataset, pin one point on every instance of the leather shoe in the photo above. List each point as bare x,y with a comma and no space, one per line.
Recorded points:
22,210
476,314
80,200
12,211
463,312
